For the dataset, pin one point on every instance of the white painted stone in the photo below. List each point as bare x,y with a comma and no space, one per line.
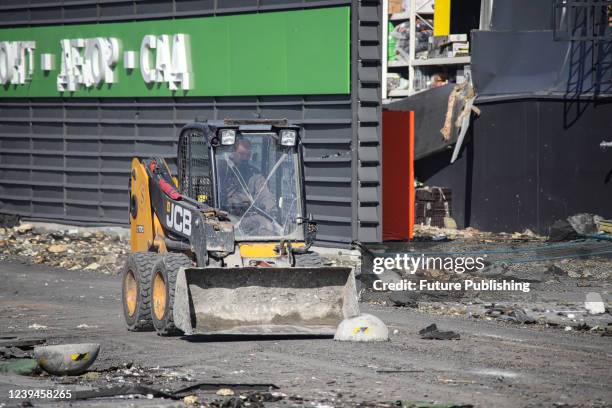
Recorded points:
594,303
364,328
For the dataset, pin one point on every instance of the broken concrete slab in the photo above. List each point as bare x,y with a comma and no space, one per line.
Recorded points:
584,223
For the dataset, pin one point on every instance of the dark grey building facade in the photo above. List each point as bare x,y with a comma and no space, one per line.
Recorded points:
67,159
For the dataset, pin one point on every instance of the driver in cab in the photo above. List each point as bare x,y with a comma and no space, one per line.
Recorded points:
243,187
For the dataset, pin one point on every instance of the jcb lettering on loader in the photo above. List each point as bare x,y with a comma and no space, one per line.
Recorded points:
238,184
179,219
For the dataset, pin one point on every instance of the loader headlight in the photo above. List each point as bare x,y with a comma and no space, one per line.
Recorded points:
227,136
288,137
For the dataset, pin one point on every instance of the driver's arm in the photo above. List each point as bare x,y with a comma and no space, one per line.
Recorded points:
233,197
267,200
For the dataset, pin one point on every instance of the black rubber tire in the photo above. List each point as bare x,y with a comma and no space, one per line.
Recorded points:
141,265
168,266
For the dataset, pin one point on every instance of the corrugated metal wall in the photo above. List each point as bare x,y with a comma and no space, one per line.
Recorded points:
67,159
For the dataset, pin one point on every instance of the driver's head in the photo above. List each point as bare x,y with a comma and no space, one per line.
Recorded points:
242,151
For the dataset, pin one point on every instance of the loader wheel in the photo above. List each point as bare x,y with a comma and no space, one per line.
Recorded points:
163,284
136,290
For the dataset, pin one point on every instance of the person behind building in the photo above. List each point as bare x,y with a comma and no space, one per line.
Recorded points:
438,80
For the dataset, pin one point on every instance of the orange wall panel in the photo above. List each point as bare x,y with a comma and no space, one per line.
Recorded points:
398,175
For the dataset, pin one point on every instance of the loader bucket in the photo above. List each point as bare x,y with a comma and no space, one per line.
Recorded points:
275,301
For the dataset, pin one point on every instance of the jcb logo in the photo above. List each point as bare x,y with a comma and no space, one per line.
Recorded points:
178,218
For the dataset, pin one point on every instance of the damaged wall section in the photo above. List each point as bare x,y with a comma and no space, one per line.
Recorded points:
545,93
523,168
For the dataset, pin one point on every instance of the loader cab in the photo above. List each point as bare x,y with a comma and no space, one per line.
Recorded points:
251,171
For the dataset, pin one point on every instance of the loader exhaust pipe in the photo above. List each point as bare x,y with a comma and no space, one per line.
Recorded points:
275,301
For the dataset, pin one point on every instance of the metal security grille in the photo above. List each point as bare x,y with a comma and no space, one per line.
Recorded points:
68,159
588,25
194,167
583,20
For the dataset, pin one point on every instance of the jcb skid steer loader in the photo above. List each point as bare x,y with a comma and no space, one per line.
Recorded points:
224,247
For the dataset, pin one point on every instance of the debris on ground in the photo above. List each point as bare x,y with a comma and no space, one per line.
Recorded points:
403,298
573,227
225,392
235,388
13,352
22,366
562,230
92,376
573,315
118,391
503,271
22,343
70,248
13,347
226,395
86,326
585,224
9,220
594,304
191,400
430,233
428,404
432,332
512,314
552,279
251,399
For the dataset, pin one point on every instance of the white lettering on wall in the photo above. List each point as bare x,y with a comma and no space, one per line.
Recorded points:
165,61
87,62
16,62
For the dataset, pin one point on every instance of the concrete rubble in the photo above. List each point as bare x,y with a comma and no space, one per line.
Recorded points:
101,250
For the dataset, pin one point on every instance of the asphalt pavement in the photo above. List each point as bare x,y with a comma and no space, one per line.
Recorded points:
491,365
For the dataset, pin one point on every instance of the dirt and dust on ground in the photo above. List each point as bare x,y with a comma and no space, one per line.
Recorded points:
542,348
557,282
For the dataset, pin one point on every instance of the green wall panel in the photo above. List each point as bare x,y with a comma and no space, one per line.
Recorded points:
278,53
